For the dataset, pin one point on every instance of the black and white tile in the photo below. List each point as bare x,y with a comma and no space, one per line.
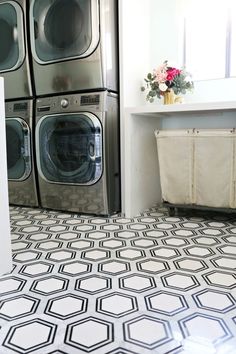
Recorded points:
151,284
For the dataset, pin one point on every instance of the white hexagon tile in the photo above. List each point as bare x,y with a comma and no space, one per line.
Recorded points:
151,284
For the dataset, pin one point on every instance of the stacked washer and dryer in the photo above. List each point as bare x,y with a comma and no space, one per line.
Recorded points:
75,70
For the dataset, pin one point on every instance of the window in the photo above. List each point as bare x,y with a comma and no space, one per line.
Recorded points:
233,43
210,38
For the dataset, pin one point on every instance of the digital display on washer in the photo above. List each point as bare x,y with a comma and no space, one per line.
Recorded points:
87,100
43,109
19,107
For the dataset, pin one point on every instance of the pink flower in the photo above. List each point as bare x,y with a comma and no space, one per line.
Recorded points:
172,73
160,73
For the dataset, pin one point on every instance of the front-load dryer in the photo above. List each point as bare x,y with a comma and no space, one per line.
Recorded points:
20,153
74,45
14,59
77,151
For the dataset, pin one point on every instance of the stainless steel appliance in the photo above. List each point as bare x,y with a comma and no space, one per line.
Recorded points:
20,154
14,60
74,45
77,151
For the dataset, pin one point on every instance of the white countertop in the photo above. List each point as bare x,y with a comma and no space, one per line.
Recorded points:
181,107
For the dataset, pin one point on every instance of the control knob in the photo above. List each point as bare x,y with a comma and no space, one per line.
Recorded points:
64,103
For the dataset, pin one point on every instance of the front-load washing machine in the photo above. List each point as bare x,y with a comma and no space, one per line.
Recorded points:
74,45
14,59
20,154
77,152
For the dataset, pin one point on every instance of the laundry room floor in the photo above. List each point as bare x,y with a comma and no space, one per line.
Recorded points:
151,284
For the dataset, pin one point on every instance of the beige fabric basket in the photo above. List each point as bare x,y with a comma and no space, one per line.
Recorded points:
197,166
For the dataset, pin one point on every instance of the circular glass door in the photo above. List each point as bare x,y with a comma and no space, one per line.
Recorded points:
62,29
18,149
12,50
69,148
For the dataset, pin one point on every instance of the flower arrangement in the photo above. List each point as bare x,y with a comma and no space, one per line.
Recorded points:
166,78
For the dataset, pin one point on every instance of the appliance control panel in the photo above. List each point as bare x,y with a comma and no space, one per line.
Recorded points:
88,100
18,109
70,103
20,106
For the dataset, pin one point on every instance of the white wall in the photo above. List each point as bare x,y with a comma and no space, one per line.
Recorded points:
148,36
151,31
213,90
166,33
134,33
5,240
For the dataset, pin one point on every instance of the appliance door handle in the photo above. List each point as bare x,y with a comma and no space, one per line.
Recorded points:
94,149
15,34
36,29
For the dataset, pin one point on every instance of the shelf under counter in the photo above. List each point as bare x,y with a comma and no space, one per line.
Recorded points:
139,164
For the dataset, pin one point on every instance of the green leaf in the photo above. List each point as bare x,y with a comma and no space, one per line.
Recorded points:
152,93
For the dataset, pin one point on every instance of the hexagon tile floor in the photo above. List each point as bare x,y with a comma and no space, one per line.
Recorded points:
152,284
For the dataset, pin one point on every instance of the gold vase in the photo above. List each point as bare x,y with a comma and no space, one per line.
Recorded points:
169,97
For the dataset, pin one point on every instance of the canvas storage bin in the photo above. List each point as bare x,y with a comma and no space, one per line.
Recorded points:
198,166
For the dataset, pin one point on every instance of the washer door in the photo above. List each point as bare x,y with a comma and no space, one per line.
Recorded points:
18,149
69,148
62,29
12,49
